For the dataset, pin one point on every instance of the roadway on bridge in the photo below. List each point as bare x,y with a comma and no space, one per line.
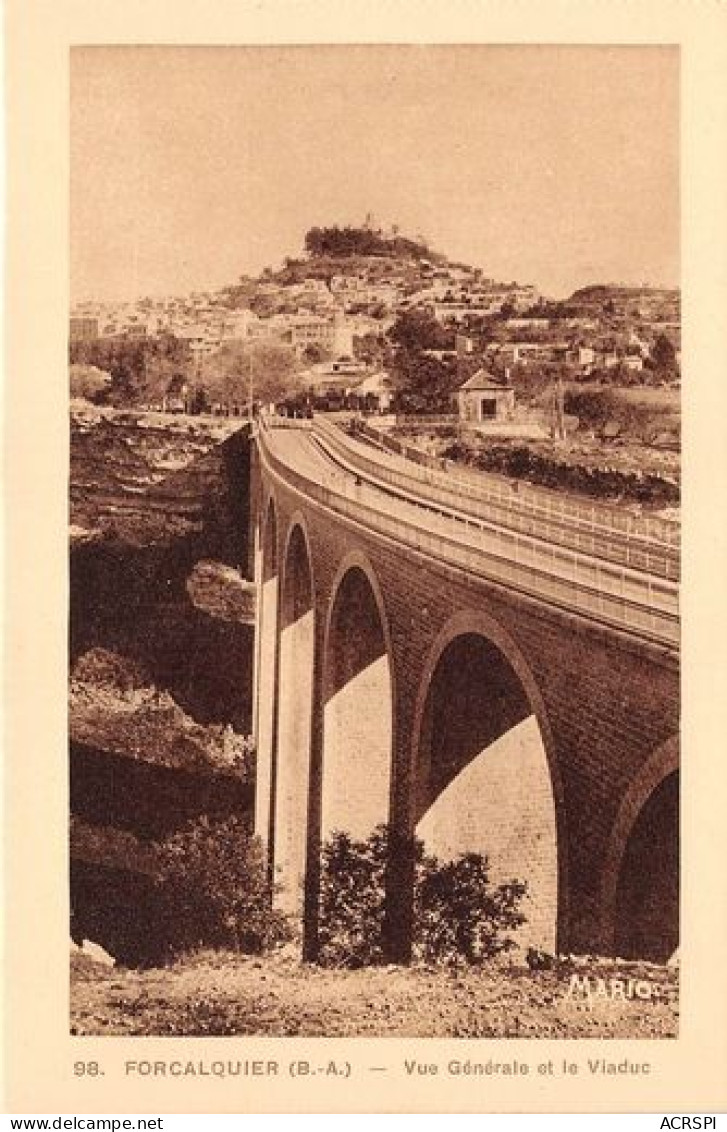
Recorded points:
641,542
634,600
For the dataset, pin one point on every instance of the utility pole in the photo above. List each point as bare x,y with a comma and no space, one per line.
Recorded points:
558,409
197,377
251,389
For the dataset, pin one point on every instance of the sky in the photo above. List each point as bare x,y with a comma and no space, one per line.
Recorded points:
190,166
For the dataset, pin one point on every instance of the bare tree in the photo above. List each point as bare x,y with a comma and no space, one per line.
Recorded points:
243,372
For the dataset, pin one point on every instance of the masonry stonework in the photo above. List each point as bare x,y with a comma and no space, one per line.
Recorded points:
595,703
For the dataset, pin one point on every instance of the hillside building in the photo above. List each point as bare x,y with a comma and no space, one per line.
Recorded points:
482,399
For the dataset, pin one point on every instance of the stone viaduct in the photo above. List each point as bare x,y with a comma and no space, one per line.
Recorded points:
395,686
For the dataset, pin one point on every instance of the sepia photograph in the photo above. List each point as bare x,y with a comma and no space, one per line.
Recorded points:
374,364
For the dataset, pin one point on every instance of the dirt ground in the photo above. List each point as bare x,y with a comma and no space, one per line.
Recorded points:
276,996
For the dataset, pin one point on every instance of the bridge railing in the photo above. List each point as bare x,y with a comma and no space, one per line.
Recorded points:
275,420
651,527
601,590
643,543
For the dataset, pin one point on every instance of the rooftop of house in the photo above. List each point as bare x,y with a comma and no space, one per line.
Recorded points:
483,380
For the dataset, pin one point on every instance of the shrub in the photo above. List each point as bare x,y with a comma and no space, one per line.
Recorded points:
89,383
594,407
458,913
215,891
538,960
352,890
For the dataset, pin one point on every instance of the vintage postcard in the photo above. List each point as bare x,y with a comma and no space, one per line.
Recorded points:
364,690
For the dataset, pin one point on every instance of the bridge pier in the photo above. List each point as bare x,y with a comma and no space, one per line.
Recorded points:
266,653
295,662
639,900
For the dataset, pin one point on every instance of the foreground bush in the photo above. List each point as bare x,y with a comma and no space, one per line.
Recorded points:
352,888
459,915
214,889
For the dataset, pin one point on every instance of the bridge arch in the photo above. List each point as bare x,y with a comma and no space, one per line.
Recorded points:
266,651
358,704
296,665
640,890
484,772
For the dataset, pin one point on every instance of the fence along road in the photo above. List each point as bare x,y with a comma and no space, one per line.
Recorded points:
319,462
643,542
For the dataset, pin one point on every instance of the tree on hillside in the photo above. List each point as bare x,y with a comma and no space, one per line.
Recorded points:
369,348
121,357
240,295
424,382
140,368
419,330
663,355
265,305
89,383
167,363
228,375
364,241
593,407
314,354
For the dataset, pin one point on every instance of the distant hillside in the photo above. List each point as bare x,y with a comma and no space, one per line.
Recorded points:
411,263
598,293
371,254
325,267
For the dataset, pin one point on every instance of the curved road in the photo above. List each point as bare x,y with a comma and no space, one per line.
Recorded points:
323,465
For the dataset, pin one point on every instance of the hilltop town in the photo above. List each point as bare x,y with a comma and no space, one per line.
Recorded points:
373,315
